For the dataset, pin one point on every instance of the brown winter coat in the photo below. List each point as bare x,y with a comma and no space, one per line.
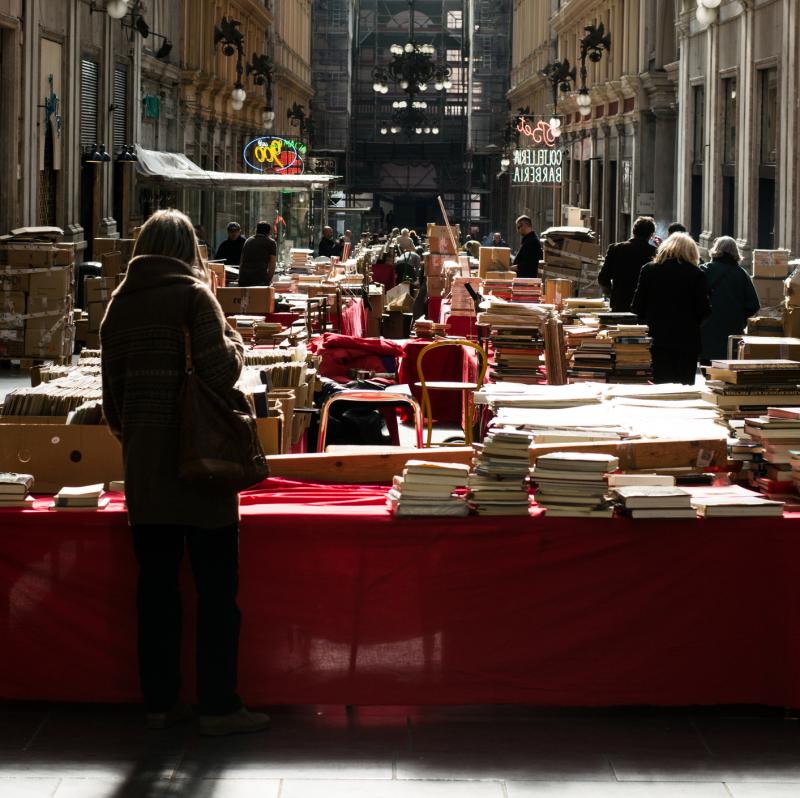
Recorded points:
143,366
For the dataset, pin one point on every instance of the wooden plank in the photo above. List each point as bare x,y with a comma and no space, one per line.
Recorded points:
348,465
649,453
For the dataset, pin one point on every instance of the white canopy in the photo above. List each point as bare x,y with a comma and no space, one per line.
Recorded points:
176,168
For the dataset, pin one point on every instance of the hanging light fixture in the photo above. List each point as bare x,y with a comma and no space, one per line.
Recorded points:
228,34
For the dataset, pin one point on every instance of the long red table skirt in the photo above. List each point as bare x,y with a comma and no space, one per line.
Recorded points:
343,604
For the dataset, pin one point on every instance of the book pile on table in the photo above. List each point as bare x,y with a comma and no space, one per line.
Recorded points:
497,312
503,454
425,328
284,284
574,484
301,261
499,285
733,501
15,489
84,497
265,332
631,349
526,289
517,354
427,488
55,398
490,496
777,436
654,501
591,361
742,387
575,307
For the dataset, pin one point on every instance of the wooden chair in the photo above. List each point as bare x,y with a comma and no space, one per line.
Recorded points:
467,389
381,400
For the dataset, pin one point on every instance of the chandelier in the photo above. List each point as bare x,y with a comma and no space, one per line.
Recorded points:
413,70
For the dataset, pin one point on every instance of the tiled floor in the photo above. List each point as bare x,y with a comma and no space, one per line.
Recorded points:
406,752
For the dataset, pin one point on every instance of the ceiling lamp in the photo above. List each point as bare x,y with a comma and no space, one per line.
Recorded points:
117,9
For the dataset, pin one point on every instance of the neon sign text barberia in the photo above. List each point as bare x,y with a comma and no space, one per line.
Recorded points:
541,164
272,155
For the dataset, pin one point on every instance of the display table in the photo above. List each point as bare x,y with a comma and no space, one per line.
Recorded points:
343,604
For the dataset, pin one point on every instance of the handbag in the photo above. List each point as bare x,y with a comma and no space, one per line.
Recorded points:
218,445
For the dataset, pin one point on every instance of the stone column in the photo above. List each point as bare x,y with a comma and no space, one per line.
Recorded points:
683,164
747,124
712,182
30,92
787,231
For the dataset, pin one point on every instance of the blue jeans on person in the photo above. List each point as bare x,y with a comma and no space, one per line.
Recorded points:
214,557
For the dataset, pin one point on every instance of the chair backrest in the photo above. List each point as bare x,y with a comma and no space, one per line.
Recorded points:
375,398
483,360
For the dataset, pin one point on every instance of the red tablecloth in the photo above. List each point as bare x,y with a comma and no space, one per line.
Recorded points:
384,273
343,604
450,364
354,317
463,326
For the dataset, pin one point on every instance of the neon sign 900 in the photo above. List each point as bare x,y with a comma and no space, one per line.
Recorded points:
273,155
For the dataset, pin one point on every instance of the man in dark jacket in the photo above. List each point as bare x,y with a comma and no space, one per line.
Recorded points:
624,261
231,248
259,255
530,250
327,244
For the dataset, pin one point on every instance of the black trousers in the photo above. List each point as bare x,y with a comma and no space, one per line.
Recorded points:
674,365
214,556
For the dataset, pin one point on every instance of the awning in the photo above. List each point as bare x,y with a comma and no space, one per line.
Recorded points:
177,169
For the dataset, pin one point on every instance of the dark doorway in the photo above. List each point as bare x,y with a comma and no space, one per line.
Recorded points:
766,213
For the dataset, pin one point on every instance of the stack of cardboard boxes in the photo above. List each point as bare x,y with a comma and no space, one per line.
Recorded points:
572,253
770,267
440,249
36,296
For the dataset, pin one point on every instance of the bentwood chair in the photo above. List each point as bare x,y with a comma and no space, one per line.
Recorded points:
386,401
467,389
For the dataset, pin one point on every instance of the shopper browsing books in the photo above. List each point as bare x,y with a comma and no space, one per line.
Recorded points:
672,299
143,360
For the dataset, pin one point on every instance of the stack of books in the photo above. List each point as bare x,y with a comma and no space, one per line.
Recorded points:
301,261
499,285
503,454
517,355
497,496
574,484
15,489
654,501
427,488
777,437
526,289
266,332
425,328
631,348
733,501
84,497
744,387
592,361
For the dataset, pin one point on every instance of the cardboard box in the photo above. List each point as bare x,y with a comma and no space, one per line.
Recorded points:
48,337
246,300
12,304
12,279
771,262
33,255
100,246
585,250
791,321
125,248
494,259
47,303
764,325
218,268
96,311
52,282
59,455
270,434
763,347
112,264
9,348
98,289
769,290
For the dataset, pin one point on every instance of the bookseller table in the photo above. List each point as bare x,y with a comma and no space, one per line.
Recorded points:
343,604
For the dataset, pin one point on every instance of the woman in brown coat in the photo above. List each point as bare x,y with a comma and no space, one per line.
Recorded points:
164,291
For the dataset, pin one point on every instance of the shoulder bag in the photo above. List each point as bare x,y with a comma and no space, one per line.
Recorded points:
218,445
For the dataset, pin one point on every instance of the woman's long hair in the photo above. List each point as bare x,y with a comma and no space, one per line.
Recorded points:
679,246
170,233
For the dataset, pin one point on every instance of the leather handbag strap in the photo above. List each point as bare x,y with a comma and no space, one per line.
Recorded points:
187,349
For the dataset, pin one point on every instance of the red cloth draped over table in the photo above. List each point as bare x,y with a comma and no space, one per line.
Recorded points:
343,604
354,317
340,353
384,273
449,364
463,326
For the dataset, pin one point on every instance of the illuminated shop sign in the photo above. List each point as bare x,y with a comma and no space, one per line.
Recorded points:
273,155
538,160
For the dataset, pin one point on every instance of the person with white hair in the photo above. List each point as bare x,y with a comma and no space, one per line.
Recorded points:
672,300
404,241
732,295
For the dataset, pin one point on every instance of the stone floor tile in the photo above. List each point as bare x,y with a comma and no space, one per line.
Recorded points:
118,787
391,789
265,762
667,766
27,787
567,789
87,767
496,765
743,735
738,790
18,726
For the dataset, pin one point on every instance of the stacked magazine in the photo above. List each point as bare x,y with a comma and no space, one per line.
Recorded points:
15,489
427,488
574,484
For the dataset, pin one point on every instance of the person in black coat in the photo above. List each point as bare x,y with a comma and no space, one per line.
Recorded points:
671,298
624,261
231,248
732,295
530,250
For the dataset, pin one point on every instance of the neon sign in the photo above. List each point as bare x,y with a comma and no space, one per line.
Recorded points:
541,164
273,155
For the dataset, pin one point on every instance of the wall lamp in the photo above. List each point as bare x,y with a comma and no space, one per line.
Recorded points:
262,69
232,39
707,11
560,75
